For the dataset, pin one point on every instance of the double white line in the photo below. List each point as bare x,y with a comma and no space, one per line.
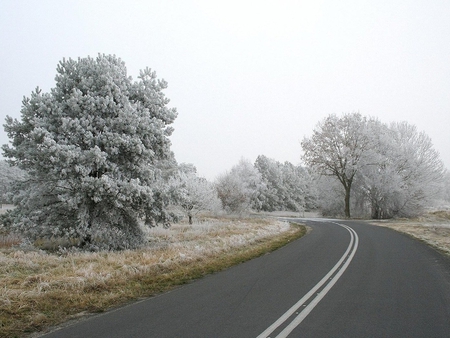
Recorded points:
325,284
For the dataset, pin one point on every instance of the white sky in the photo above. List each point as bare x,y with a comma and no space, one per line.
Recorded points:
247,77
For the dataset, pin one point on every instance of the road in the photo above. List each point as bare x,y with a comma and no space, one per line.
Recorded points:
344,279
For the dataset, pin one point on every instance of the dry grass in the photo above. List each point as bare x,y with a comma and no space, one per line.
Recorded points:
432,228
39,289
9,240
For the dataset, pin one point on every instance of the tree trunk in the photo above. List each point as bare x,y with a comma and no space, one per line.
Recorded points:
347,201
190,218
375,212
86,241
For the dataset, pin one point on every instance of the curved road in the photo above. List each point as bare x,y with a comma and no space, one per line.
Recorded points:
344,279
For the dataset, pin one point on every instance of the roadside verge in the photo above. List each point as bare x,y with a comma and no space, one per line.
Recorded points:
432,228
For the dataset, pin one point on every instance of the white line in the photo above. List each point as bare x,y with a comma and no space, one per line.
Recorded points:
310,307
297,320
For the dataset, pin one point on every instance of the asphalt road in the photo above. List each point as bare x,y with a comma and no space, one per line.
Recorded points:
344,279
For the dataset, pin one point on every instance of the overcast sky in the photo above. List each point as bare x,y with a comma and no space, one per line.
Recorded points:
247,77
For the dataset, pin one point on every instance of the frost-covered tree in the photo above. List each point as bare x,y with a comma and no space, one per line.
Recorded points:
397,174
271,197
195,194
297,195
445,188
8,176
376,181
94,148
286,186
418,167
405,172
336,149
238,188
330,196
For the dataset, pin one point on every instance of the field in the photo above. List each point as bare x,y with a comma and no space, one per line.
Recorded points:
41,289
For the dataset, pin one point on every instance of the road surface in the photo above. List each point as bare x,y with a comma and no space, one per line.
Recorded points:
344,279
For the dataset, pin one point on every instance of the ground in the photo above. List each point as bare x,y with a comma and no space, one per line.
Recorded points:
432,228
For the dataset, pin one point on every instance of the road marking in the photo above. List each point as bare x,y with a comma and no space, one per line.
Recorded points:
329,280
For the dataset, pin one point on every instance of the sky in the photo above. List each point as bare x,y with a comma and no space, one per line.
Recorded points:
248,78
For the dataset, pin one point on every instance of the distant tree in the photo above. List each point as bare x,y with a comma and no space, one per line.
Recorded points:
330,196
94,148
311,186
337,149
195,194
238,188
445,190
397,172
377,181
296,189
405,172
285,186
418,167
271,197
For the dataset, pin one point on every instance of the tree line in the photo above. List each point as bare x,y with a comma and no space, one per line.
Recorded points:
390,170
90,161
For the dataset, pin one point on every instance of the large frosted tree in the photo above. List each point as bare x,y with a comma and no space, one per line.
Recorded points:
94,148
404,173
337,149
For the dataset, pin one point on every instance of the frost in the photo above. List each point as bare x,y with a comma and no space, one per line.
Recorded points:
238,188
95,149
391,170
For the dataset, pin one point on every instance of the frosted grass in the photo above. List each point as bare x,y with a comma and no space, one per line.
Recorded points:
28,275
432,228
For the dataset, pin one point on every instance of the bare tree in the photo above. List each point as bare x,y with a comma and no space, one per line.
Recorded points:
337,148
